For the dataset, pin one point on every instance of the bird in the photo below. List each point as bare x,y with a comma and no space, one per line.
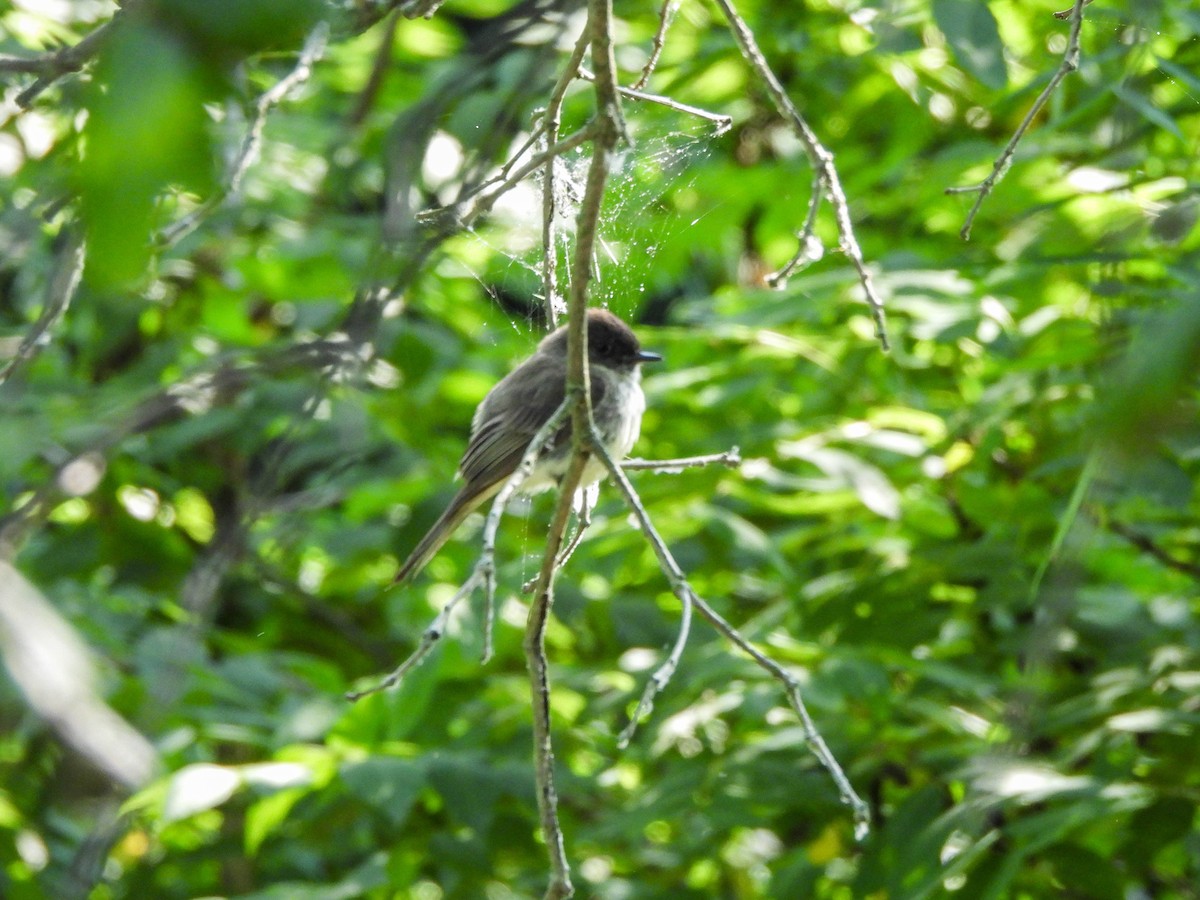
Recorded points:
517,407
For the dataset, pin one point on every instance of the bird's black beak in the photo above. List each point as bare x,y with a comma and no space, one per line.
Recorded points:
645,356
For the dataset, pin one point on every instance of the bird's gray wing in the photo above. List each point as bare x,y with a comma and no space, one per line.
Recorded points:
507,420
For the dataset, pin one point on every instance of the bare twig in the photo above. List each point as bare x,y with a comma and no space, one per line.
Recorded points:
551,124
665,15
424,9
379,67
429,638
820,158
49,67
251,147
59,293
723,122
539,680
809,248
608,127
1066,13
731,458
1070,62
688,597
464,211
483,574
539,442
662,675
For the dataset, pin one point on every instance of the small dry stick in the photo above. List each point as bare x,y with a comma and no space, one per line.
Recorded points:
463,212
1066,13
483,574
688,597
429,638
61,290
551,124
424,9
731,458
820,159
535,655
52,66
1070,62
662,675
723,122
251,147
665,15
587,502
809,248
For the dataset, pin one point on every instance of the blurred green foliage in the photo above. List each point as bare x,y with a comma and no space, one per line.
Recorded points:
980,552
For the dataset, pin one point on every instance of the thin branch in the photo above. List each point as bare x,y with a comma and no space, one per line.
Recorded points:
379,67
809,247
490,526
464,211
429,638
1070,62
539,681
251,147
1066,13
49,67
608,126
688,597
723,122
59,293
551,125
483,573
587,498
665,15
1147,545
820,159
731,458
662,675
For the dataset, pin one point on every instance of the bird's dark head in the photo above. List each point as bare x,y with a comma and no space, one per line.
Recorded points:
612,343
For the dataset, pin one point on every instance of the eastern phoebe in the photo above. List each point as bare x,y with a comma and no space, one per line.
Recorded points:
523,401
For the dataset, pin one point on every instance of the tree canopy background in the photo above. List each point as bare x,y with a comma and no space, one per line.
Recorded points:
980,551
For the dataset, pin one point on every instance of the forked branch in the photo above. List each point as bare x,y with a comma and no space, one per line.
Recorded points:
689,598
820,159
1070,62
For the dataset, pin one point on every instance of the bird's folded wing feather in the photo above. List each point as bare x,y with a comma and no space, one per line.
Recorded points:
505,423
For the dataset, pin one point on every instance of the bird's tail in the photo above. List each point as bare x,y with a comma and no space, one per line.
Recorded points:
464,502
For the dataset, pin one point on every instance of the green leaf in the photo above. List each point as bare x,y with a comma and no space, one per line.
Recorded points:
1147,109
146,131
387,784
973,35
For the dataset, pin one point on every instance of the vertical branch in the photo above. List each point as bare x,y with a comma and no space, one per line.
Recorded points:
608,127
539,683
665,15
551,123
